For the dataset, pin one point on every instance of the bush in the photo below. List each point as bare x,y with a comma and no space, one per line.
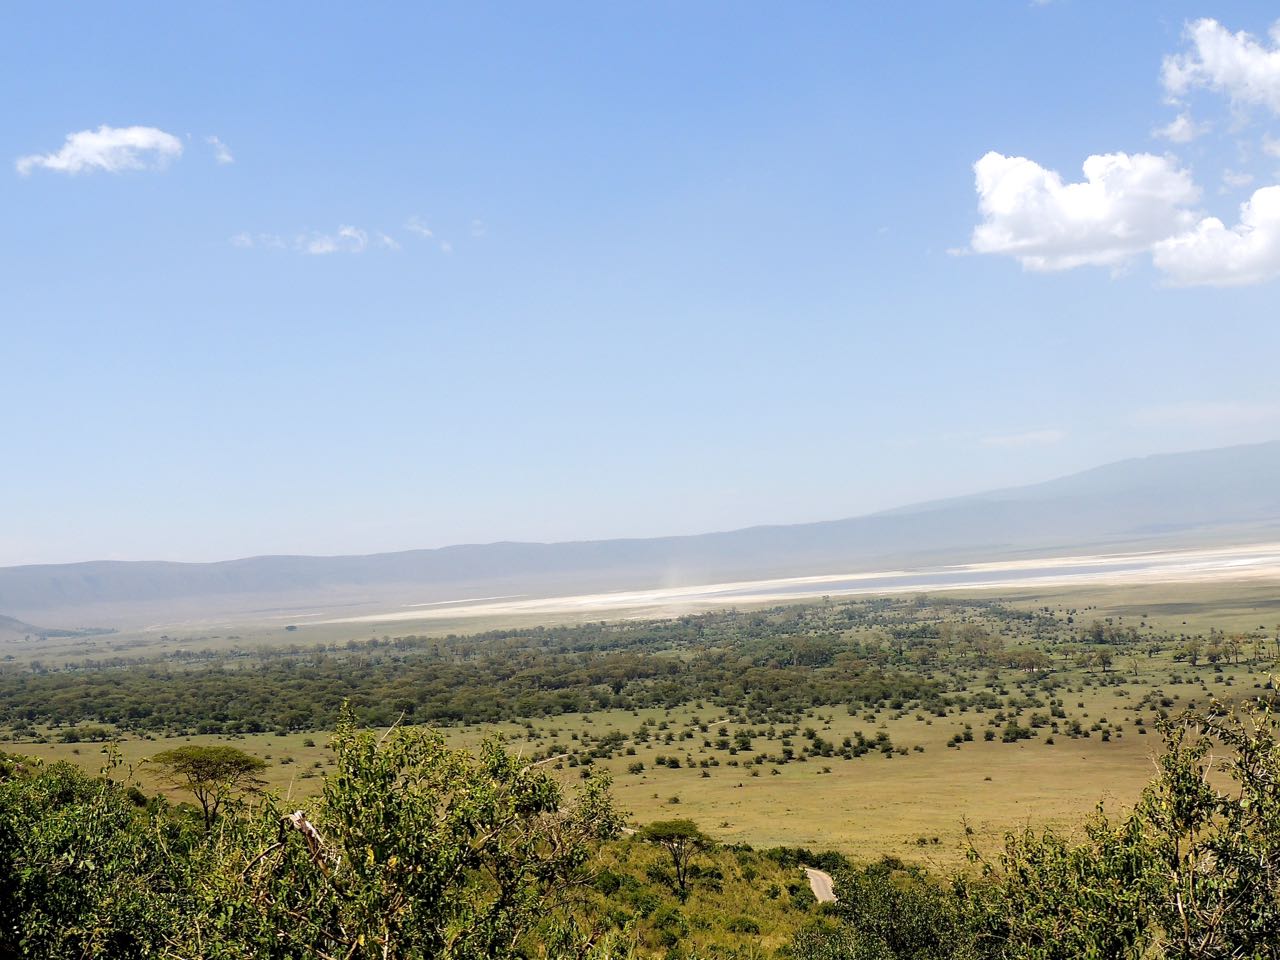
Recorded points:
398,859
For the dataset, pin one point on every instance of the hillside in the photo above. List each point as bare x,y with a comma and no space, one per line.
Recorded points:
1230,494
12,628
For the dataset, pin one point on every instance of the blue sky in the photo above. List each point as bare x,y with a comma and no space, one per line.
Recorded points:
471,272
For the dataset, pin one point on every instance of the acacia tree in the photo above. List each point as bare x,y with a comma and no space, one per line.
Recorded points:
211,773
681,839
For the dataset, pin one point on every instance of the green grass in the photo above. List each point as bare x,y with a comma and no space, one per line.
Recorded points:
918,805
866,807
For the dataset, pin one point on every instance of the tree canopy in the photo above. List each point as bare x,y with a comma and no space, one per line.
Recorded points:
212,773
681,839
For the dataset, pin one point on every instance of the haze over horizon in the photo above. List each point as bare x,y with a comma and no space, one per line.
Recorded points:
1159,478
467,274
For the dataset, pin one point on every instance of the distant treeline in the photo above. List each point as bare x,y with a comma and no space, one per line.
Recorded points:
770,665
777,662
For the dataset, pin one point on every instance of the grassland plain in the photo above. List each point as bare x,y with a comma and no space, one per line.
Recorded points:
899,776
947,776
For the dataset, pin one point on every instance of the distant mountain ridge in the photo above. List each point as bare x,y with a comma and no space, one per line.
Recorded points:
1226,494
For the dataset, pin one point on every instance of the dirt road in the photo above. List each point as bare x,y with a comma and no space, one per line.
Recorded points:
821,884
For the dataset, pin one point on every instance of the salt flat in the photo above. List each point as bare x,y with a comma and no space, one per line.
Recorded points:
1248,562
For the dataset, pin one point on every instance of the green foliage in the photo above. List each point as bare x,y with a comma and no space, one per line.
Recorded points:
681,839
886,911
787,659
83,871
212,773
415,851
1193,873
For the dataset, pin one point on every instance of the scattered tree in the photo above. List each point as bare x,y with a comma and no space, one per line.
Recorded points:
681,839
213,774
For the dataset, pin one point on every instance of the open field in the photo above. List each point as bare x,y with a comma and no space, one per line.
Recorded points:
766,768
865,807
734,777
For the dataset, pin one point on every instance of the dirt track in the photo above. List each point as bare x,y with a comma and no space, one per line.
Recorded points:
821,884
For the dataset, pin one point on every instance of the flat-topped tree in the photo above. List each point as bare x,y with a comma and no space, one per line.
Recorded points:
681,839
212,773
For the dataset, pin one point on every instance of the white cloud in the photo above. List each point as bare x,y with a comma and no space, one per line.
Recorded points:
446,246
1271,146
1236,178
1235,64
479,228
415,225
1211,254
346,240
108,148
1182,129
246,240
221,153
1125,204
1029,438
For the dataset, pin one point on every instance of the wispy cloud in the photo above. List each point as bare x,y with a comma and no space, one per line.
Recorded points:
418,227
269,241
1181,129
1028,438
1234,179
221,153
346,239
415,225
110,149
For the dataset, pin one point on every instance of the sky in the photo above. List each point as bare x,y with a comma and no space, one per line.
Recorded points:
336,278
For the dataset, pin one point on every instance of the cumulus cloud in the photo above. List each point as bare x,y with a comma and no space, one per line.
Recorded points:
221,153
1213,254
1124,205
112,149
1182,129
1136,204
1029,438
1235,64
